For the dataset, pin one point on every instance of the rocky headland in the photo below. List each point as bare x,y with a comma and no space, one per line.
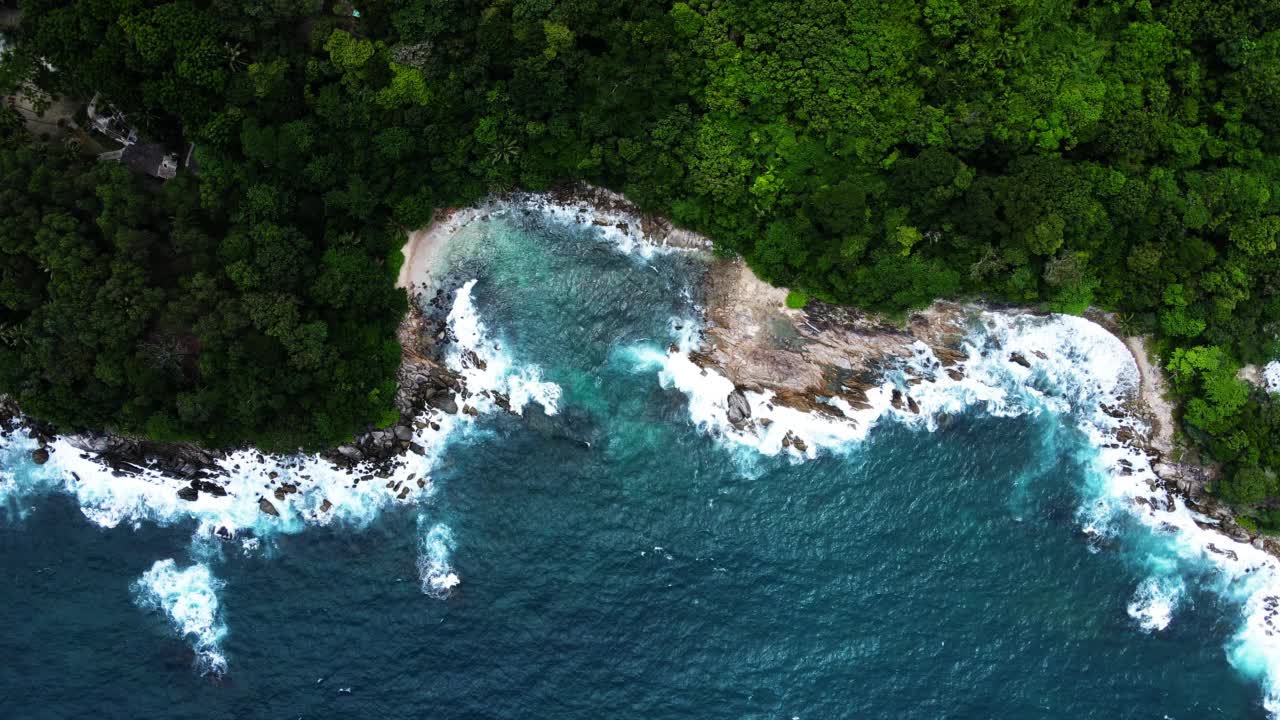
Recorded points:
803,357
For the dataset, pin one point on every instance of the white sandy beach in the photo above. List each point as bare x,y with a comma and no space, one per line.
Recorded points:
424,248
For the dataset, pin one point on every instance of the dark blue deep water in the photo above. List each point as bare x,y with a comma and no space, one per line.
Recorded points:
617,562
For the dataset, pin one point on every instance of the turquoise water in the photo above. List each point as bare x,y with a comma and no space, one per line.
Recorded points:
616,560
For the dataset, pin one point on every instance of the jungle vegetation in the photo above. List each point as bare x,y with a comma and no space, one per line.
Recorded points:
1122,154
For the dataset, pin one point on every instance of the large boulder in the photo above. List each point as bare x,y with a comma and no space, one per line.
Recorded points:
284,490
211,488
40,456
265,506
445,402
739,408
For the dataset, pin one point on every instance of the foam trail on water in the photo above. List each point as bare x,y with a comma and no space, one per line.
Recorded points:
1154,602
20,478
486,368
1019,365
435,547
301,489
189,598
621,228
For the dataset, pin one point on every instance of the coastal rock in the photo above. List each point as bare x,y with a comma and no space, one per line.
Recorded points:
1019,359
1237,533
285,489
739,408
211,488
445,403
40,456
98,443
326,506
1229,554
188,493
403,432
266,507
790,440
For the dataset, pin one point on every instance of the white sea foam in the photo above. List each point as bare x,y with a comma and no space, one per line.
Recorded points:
305,489
189,598
485,367
1155,601
1077,370
623,230
21,479
435,548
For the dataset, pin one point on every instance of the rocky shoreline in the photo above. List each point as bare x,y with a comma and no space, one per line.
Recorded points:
803,357
425,386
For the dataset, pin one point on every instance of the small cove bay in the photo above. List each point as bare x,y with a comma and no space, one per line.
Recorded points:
616,550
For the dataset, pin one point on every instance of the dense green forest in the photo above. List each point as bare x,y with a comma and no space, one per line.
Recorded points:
1119,154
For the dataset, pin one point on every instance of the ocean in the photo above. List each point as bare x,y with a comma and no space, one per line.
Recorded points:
616,550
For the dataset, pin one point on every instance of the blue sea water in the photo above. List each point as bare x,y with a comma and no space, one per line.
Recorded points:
616,560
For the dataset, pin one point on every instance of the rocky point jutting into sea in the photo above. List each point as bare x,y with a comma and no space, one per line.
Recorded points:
602,419
823,360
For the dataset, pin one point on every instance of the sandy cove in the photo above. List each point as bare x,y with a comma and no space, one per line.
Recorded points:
755,340
803,357
807,357
424,248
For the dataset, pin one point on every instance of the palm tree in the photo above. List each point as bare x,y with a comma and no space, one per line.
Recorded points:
235,56
505,152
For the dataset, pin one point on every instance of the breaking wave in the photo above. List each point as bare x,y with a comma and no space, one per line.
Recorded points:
435,547
621,229
489,371
1155,601
189,598
271,494
1018,364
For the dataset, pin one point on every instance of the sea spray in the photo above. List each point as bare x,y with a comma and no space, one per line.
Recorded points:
487,369
435,548
189,599
1157,597
622,229
1271,376
1016,365
21,479
301,489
